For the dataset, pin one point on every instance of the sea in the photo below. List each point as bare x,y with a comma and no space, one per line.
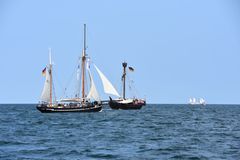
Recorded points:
157,131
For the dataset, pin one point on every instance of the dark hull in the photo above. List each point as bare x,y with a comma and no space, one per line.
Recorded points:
46,109
126,106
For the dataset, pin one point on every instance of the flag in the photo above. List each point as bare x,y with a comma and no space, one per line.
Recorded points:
44,71
131,69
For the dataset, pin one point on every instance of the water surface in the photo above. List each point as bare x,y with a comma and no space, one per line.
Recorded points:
155,132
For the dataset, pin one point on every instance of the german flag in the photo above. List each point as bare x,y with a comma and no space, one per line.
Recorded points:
44,71
131,69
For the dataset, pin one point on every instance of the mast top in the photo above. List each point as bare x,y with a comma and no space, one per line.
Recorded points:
84,41
50,55
124,64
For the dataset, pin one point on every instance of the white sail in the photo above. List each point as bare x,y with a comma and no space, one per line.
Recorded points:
194,101
45,97
108,87
93,91
202,101
190,101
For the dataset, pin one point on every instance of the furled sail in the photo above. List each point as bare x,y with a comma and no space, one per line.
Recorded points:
78,82
45,97
108,87
93,91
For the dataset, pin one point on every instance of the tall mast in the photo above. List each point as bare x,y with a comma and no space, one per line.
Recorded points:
84,43
83,64
50,73
124,64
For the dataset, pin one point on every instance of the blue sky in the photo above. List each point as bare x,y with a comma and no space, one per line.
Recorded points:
179,49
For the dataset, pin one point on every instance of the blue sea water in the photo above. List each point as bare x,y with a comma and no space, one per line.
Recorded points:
154,132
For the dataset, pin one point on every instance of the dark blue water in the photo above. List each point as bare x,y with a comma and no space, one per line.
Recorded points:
155,132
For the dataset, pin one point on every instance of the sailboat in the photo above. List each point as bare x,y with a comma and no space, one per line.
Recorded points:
194,101
86,103
126,103
202,101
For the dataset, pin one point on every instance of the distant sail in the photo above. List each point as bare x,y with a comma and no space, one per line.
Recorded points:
93,91
190,100
107,85
202,101
45,97
194,100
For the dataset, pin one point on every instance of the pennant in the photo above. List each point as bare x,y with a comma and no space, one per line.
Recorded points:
131,69
44,71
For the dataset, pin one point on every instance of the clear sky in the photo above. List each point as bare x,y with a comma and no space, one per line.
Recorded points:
179,48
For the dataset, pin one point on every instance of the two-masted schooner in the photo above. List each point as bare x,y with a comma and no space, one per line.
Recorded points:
86,103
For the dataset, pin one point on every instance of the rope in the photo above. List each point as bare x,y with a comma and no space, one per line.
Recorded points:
70,80
131,86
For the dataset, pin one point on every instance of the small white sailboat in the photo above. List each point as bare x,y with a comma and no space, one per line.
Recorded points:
202,101
194,101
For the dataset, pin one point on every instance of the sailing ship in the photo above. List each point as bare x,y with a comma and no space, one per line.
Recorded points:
194,101
85,103
126,103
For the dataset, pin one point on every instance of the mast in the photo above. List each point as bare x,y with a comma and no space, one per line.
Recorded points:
83,64
50,73
124,64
